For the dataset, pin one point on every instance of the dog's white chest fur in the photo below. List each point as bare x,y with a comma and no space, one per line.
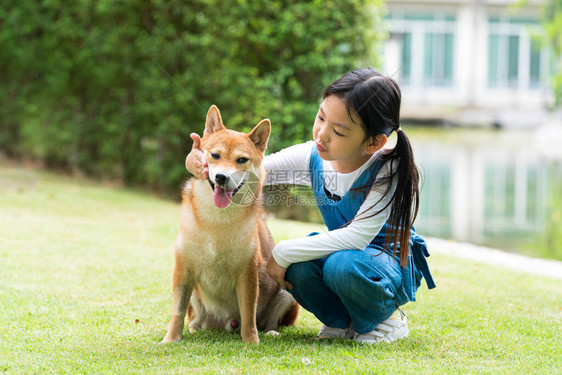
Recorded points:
217,284
217,265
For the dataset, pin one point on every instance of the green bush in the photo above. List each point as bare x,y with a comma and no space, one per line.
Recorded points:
113,88
552,23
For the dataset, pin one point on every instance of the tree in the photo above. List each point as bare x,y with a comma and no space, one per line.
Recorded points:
113,88
552,22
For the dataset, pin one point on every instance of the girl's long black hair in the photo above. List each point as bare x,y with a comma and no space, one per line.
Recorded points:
376,100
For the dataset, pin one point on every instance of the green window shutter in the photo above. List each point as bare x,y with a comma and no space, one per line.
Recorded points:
493,54
448,67
438,59
406,58
513,61
428,73
535,64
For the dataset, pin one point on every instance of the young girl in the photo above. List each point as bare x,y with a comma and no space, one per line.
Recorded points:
354,277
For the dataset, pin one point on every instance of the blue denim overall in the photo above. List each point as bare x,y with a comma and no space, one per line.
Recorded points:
364,286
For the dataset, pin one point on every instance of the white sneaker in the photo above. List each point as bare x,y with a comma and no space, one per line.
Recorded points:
338,333
392,329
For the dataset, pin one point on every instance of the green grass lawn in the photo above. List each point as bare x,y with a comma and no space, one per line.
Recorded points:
85,287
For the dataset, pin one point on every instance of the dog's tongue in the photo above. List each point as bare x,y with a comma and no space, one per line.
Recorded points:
222,197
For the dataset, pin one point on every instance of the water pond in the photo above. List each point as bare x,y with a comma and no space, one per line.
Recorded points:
501,188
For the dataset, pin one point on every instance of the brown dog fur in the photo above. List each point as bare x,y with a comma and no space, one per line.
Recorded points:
221,253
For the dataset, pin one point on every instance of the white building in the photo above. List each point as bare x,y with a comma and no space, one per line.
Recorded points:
469,61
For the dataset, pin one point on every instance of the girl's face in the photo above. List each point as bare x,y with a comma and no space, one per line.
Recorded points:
340,140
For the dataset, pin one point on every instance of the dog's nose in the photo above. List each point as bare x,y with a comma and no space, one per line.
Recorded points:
221,179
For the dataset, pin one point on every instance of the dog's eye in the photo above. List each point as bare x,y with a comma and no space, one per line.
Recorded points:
242,160
215,156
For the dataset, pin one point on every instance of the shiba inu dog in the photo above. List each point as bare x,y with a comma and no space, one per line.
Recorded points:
223,243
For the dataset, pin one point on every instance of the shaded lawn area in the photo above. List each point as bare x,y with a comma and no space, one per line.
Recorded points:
85,287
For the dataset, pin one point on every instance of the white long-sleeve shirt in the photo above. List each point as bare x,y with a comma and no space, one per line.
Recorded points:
291,166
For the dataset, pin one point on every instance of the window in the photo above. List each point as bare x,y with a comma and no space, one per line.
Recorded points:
426,47
515,57
503,60
438,59
406,58
535,64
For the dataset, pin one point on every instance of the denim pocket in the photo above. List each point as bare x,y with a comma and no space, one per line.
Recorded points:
385,295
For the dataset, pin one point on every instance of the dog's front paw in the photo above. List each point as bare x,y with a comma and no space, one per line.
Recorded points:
171,338
272,333
251,337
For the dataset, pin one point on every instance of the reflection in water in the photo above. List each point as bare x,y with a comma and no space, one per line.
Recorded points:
485,187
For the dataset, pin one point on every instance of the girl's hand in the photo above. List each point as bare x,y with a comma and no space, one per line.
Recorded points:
278,273
195,161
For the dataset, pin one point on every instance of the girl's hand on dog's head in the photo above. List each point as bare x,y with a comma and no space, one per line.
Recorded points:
195,161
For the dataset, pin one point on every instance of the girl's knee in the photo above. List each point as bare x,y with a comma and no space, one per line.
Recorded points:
337,262
299,273
346,261
341,268
348,269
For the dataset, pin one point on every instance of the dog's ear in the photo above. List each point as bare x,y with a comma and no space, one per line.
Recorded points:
260,134
214,121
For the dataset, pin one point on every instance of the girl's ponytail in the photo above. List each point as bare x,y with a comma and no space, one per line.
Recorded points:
405,200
